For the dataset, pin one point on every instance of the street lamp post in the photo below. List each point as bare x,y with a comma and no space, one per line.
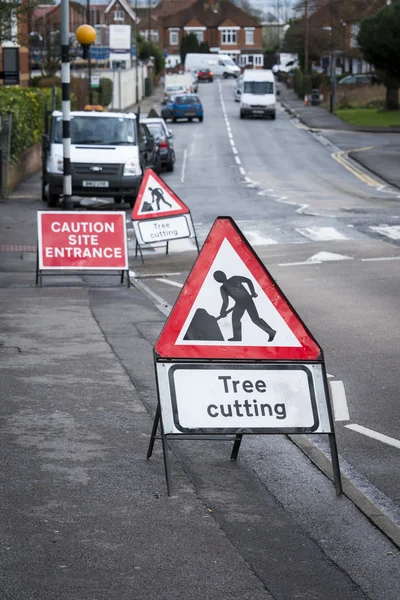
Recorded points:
89,57
136,56
86,34
66,106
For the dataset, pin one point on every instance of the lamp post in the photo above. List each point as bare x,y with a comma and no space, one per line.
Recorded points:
86,34
66,106
136,55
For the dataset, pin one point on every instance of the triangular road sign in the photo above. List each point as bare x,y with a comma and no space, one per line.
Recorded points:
155,199
231,308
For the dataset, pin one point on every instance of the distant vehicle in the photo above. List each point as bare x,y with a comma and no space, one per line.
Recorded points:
237,93
288,62
258,96
163,135
205,75
219,64
179,83
184,106
360,79
195,82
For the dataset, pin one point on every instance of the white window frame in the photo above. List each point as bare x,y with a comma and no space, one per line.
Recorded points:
119,15
229,36
249,36
354,29
174,35
154,35
198,31
258,60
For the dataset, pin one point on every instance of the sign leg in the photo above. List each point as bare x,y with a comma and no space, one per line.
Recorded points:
167,247
167,465
154,431
122,276
335,464
40,279
128,281
236,446
197,243
37,266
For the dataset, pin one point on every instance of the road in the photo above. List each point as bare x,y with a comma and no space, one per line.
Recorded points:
294,199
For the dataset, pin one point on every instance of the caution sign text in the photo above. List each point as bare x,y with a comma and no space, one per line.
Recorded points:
82,240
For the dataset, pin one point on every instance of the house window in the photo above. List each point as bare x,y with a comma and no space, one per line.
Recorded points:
154,35
228,36
118,15
354,29
258,60
249,37
173,38
199,35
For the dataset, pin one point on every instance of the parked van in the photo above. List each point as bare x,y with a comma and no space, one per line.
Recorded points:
258,96
219,64
109,153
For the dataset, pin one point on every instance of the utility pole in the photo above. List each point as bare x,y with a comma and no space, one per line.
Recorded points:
306,37
137,56
66,106
88,56
149,27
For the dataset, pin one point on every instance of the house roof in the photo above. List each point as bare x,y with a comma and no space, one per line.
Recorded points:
211,15
43,10
169,7
125,5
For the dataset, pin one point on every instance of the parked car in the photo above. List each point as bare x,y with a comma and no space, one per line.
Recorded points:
360,79
163,136
149,149
195,80
184,106
205,75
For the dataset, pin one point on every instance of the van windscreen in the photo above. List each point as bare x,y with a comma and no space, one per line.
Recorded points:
103,131
258,87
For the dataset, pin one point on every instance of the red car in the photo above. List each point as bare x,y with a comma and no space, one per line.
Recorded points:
205,75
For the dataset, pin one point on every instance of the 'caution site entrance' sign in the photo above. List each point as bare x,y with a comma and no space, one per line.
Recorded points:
81,240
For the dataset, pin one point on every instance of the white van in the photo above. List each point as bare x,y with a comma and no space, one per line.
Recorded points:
258,95
106,156
177,83
219,64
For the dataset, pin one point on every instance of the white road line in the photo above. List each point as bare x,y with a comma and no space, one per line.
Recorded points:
183,166
238,161
234,149
170,282
152,275
391,231
256,239
339,401
375,435
242,171
295,264
381,258
321,234
160,303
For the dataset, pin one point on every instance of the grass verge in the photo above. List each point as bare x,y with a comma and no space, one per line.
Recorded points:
370,117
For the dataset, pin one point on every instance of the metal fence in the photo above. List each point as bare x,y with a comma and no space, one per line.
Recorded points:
5,151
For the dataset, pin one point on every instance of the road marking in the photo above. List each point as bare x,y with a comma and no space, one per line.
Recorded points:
242,171
343,159
170,282
159,303
327,257
256,239
339,401
381,258
183,166
375,435
391,231
295,264
152,275
234,149
321,234
238,161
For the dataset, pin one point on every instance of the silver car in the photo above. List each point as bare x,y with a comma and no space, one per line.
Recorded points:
238,88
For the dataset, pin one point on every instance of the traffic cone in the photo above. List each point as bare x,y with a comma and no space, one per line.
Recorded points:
305,99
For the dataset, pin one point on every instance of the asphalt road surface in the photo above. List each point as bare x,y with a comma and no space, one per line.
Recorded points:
295,196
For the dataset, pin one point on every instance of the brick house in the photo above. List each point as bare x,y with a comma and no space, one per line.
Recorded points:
225,26
47,17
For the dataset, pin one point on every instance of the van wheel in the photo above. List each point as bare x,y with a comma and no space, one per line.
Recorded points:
225,75
241,115
273,117
52,199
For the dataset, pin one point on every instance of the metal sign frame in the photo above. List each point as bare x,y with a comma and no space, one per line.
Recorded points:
167,399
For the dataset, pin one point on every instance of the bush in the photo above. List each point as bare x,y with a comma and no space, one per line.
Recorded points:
298,82
105,91
27,106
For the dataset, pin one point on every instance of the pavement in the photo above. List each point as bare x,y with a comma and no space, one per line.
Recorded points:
84,514
382,161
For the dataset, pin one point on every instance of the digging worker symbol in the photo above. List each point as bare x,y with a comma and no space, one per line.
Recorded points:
157,196
234,288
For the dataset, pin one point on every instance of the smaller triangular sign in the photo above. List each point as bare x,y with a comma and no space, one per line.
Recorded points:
231,308
155,199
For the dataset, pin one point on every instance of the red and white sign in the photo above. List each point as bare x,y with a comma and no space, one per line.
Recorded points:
82,240
231,308
156,200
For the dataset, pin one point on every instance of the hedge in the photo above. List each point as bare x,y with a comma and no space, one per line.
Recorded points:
27,106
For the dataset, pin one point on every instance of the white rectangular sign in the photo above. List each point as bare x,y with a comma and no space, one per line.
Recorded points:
120,38
152,231
251,398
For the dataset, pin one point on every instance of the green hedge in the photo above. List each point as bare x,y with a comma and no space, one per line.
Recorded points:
27,106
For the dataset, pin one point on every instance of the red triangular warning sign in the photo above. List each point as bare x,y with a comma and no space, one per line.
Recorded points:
155,199
231,308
